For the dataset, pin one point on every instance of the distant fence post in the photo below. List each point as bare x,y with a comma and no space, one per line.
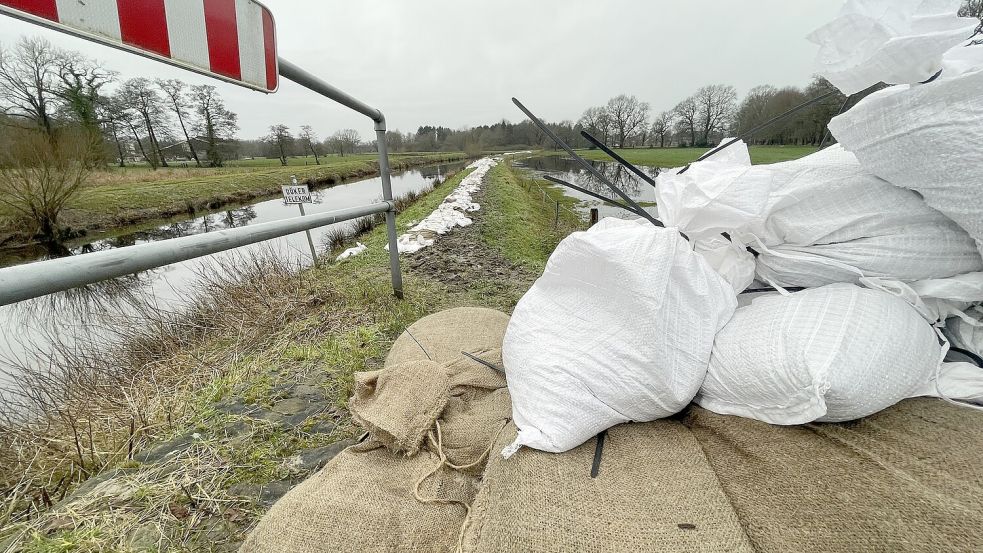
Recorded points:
556,218
594,215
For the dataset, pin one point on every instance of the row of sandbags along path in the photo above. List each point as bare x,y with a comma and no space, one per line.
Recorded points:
792,364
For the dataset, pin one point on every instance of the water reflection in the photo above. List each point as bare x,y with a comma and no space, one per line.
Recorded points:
571,171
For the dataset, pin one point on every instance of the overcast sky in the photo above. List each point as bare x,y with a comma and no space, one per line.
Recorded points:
457,63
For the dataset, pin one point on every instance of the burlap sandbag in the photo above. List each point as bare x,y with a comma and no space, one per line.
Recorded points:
909,478
442,337
363,501
654,492
478,408
398,405
384,495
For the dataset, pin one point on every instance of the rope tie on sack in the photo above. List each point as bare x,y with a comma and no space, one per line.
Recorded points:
438,444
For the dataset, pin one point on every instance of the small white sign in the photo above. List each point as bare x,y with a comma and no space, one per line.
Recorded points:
296,194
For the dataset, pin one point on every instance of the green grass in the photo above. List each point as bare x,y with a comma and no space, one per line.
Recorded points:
521,223
676,157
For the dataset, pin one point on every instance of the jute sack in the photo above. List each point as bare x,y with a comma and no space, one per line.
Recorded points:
654,492
443,336
399,404
908,478
410,485
364,501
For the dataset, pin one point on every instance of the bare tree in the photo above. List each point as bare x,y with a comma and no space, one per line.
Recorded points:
279,137
80,85
628,115
112,115
974,8
40,174
755,108
175,94
215,123
395,141
139,96
597,122
131,120
715,108
688,113
29,78
308,135
345,140
662,126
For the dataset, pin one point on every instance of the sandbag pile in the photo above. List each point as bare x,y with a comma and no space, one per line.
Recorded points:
814,221
926,138
432,414
883,233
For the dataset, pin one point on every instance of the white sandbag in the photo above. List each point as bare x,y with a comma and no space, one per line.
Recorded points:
926,138
816,220
619,328
691,201
962,382
936,299
966,334
730,259
891,41
829,354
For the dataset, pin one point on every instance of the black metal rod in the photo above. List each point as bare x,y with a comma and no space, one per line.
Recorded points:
586,165
606,200
481,361
589,193
792,289
595,467
762,126
826,135
977,360
624,162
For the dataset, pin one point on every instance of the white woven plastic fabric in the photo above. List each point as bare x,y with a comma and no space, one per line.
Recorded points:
619,328
815,220
891,41
927,138
830,354
966,334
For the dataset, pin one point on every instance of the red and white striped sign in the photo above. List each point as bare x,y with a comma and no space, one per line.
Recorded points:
234,40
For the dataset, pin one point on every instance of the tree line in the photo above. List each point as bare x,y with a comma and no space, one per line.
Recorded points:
712,112
51,90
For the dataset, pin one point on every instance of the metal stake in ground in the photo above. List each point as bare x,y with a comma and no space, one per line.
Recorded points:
586,165
591,194
624,162
302,194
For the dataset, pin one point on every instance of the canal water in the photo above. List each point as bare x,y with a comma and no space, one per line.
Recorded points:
571,171
36,326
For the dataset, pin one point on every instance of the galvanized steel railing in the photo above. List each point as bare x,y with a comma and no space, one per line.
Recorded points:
33,280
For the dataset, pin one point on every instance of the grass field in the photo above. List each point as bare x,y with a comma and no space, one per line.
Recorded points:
119,197
675,157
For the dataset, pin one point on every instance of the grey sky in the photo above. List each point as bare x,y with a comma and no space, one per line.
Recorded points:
458,62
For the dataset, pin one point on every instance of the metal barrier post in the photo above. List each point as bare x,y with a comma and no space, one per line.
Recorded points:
387,195
307,80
